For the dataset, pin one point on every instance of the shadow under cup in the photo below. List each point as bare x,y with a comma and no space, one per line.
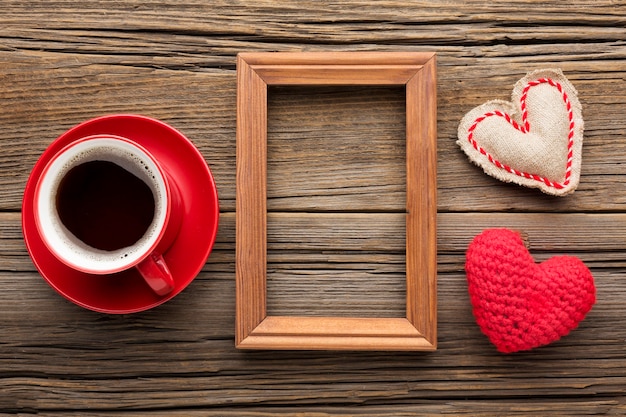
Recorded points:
104,205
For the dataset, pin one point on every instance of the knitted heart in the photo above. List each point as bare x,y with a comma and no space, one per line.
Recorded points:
518,304
535,140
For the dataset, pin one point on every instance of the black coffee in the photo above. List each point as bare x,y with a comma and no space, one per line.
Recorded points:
104,205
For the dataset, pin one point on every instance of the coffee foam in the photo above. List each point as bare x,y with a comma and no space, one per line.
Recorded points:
63,242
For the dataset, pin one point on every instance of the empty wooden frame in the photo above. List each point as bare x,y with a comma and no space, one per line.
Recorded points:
254,328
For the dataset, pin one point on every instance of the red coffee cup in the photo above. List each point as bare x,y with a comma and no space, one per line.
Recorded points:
104,204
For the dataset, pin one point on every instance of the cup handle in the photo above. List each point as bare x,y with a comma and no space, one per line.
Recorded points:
157,275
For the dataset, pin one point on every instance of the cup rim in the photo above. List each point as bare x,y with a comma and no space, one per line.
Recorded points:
160,222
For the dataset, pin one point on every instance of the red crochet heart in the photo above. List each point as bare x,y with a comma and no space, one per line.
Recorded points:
519,304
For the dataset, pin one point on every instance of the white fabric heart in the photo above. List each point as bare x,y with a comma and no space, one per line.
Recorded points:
535,140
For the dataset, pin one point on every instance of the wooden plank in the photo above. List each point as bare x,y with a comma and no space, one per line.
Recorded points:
381,21
478,408
297,239
308,389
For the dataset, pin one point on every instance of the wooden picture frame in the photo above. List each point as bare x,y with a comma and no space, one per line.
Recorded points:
254,328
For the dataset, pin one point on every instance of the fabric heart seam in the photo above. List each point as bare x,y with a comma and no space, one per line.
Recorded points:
525,128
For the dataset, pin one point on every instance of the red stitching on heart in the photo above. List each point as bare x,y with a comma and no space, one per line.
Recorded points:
525,128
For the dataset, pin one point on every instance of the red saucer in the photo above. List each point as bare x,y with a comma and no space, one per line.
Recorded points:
127,292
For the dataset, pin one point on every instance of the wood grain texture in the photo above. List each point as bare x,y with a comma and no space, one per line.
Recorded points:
251,213
64,61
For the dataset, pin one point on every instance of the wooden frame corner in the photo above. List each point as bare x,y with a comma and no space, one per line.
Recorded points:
254,328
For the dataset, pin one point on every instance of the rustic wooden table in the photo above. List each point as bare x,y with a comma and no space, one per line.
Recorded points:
335,201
